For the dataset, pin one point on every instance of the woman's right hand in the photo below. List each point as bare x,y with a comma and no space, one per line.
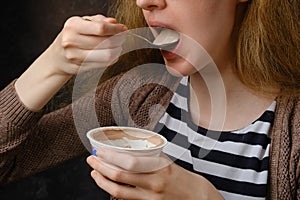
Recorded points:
86,43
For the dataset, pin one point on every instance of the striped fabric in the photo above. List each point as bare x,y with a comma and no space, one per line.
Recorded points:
236,162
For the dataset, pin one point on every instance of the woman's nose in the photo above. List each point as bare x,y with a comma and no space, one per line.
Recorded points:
151,4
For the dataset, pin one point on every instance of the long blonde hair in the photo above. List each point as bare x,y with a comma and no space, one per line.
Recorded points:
267,47
268,53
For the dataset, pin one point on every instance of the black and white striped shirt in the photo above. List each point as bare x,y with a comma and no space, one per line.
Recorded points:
235,162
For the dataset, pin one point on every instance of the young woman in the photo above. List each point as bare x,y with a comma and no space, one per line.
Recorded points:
253,155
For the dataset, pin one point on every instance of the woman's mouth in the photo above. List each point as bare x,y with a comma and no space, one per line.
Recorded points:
168,36
170,53
167,40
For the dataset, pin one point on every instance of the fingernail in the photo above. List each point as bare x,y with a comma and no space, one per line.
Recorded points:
94,152
94,174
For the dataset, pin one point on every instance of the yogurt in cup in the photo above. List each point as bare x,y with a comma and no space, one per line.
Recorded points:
134,141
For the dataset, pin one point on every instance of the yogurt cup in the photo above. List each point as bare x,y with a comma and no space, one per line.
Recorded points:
131,140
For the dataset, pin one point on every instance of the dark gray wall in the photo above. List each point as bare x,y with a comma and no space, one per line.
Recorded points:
27,28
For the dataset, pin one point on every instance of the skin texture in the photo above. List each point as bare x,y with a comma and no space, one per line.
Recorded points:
201,20
212,25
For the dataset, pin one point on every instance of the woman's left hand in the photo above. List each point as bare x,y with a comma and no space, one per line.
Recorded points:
150,178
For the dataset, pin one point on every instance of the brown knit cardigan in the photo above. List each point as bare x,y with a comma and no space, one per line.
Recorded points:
31,142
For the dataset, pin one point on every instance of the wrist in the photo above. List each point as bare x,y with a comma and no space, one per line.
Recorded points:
39,83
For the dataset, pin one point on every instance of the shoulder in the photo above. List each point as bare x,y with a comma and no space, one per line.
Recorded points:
285,146
287,117
141,79
288,107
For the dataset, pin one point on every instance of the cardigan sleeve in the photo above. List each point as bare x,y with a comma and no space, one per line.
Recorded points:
15,121
284,174
298,188
31,142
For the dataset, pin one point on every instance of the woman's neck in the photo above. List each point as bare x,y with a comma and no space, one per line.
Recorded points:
219,101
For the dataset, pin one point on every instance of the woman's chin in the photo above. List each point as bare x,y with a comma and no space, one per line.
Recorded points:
180,68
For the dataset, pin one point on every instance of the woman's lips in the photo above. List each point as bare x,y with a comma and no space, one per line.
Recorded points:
171,54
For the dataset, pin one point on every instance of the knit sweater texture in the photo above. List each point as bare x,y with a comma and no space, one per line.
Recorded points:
31,142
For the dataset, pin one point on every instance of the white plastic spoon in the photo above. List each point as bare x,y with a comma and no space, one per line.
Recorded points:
167,39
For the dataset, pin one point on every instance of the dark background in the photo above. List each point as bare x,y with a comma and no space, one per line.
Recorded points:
27,29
